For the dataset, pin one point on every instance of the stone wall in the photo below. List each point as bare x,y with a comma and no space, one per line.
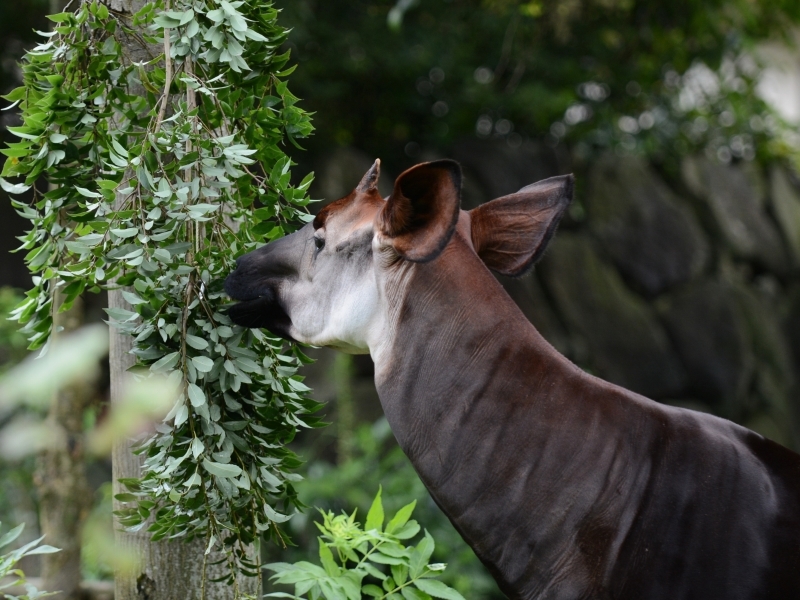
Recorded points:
685,288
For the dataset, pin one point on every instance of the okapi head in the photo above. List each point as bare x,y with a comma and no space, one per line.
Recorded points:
332,282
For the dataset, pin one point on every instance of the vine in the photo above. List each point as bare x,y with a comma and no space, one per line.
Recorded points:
164,156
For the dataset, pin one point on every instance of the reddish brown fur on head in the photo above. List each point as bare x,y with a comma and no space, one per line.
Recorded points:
365,194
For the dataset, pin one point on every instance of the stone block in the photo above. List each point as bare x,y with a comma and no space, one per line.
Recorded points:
648,231
625,342
734,202
527,292
706,327
785,199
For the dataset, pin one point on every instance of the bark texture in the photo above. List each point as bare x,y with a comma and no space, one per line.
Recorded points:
64,494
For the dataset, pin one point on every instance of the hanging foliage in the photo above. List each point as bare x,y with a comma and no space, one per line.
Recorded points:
161,171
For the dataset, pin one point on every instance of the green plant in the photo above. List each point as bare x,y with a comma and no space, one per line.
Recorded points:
13,577
378,461
370,561
162,169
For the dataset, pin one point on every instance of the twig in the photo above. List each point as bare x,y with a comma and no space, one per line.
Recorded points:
162,111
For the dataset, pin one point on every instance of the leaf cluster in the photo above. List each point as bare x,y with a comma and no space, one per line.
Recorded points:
10,576
378,461
161,138
374,561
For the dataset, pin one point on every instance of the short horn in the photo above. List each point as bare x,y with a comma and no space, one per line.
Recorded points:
370,179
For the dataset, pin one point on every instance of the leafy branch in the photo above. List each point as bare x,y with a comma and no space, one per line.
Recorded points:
10,576
162,171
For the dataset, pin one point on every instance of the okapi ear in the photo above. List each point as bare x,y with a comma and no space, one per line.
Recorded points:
511,233
370,179
420,216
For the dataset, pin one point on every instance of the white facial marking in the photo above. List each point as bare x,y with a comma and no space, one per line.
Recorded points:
335,301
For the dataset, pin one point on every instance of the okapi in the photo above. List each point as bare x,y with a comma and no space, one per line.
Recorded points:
565,486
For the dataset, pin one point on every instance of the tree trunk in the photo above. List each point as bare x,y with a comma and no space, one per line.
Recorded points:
64,494
166,570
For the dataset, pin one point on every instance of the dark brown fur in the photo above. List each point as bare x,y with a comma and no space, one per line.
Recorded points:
566,486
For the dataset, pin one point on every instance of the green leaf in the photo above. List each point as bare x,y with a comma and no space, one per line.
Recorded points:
43,549
196,342
383,559
13,188
87,193
400,573
372,590
125,233
61,17
196,395
401,517
273,515
197,447
410,593
11,535
131,298
437,589
166,362
375,514
181,415
221,470
202,363
125,498
420,556
195,479
407,531
326,558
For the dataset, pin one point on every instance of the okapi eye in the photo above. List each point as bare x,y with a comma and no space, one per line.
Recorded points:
319,243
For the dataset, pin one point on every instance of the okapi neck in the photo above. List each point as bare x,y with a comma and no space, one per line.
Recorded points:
455,329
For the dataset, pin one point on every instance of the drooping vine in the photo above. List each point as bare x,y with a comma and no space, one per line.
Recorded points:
149,162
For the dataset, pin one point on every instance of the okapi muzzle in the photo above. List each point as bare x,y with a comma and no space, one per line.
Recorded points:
566,487
257,281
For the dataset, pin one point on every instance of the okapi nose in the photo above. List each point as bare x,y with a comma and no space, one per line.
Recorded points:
242,282
257,271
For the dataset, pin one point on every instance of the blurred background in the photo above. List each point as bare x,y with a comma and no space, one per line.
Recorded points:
676,272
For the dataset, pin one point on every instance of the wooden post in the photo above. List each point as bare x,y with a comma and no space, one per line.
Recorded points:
64,494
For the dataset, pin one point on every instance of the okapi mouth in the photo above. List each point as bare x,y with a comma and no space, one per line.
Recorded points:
261,312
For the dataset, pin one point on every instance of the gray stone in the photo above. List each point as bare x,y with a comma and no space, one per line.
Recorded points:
791,327
786,207
769,344
494,169
711,337
768,409
527,292
624,341
649,232
734,201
